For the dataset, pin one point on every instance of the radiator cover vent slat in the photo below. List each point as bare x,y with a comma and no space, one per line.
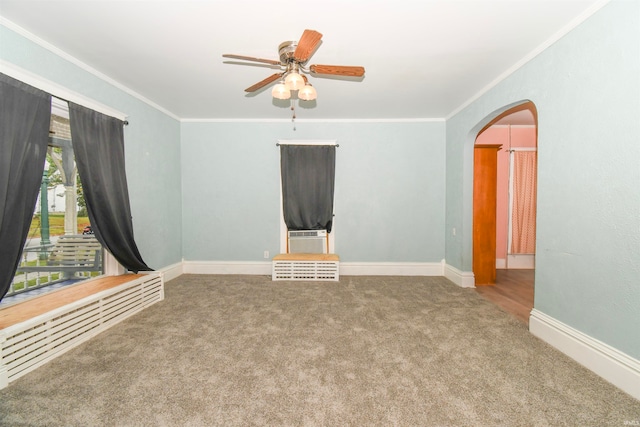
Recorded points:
305,270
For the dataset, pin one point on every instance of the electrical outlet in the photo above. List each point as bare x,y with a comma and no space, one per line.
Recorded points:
454,231
266,254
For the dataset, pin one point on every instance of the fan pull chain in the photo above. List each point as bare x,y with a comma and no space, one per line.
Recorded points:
293,117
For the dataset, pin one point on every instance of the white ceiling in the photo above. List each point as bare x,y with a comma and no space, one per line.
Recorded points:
423,58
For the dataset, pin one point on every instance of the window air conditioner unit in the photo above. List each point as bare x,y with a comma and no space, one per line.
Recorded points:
308,241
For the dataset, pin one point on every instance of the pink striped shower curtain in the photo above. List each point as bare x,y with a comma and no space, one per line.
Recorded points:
523,216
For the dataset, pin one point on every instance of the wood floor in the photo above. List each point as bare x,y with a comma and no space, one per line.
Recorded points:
513,292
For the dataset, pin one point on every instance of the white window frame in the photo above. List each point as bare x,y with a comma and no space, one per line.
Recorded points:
56,90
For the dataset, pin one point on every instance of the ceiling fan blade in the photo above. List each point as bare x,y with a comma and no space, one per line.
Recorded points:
254,64
307,45
338,70
251,58
264,82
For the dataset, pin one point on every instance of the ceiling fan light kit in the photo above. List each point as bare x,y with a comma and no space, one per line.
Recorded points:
307,93
294,81
293,57
281,91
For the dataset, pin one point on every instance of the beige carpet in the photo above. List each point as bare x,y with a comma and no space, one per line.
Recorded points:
367,351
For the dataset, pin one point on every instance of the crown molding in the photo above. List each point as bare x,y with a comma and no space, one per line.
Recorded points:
422,120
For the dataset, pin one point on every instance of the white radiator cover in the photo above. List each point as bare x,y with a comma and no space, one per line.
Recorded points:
30,344
305,270
308,241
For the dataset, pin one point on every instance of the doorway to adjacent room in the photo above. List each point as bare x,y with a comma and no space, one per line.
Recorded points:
504,212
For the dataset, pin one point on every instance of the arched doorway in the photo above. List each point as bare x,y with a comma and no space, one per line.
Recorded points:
507,184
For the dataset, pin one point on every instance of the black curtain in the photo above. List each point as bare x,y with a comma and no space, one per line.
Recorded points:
98,145
308,178
25,115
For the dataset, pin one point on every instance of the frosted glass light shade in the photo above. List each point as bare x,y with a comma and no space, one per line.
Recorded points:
280,91
307,93
294,81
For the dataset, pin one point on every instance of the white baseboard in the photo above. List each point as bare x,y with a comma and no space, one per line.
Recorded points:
227,267
614,366
172,271
391,268
521,261
346,268
464,279
517,262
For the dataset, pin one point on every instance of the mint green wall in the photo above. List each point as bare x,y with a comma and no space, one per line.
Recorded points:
586,88
152,147
389,197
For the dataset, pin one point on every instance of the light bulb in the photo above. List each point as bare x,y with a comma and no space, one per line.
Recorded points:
294,81
307,93
280,91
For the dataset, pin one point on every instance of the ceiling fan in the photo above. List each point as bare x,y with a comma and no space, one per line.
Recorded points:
293,59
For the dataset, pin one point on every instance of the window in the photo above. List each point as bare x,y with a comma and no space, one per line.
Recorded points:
307,177
60,248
